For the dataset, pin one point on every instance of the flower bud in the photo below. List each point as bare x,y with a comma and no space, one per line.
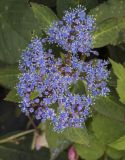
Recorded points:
72,154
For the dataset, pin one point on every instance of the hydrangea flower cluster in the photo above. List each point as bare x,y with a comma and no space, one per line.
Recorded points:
48,85
74,32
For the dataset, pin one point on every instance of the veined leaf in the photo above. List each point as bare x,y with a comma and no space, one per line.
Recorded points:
109,9
93,151
111,31
56,142
119,71
106,129
114,154
8,76
119,144
44,15
16,24
77,135
107,107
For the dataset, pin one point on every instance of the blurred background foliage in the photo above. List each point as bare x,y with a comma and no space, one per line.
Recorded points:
104,135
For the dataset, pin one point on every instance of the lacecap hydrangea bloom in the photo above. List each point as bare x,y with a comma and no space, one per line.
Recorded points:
49,86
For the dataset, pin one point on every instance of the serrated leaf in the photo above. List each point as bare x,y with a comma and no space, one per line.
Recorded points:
107,130
91,152
16,24
8,76
107,107
77,135
119,144
111,31
63,5
44,15
109,9
119,71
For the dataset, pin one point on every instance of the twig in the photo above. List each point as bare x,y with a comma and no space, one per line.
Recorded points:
5,140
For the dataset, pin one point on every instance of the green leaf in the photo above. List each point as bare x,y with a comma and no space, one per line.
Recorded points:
10,47
111,31
107,107
110,23
77,135
34,95
114,154
91,152
117,53
52,137
107,130
119,144
119,71
8,76
109,9
78,88
63,5
44,15
12,96
56,141
121,89
16,24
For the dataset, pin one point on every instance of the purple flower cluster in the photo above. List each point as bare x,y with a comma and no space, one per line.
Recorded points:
49,86
74,32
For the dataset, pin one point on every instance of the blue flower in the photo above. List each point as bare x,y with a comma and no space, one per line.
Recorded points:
74,32
48,85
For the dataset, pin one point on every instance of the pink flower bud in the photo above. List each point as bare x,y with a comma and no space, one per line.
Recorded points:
72,154
39,141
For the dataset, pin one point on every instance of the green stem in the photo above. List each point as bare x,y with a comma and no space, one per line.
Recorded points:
32,122
5,140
